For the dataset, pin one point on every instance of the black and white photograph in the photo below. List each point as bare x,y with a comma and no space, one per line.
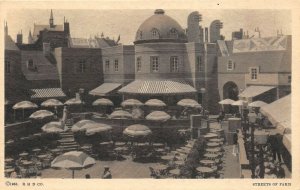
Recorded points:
152,93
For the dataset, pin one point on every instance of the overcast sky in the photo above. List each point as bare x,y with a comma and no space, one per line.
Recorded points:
84,23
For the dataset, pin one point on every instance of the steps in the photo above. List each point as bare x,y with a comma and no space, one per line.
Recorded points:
67,142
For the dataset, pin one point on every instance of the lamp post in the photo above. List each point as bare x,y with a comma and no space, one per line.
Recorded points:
203,91
261,137
252,119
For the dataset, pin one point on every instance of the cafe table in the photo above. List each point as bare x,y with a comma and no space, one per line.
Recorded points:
205,170
179,162
26,163
208,136
36,150
160,167
42,156
158,145
175,172
120,144
8,160
105,143
189,145
211,156
24,154
215,140
213,150
207,162
212,144
167,157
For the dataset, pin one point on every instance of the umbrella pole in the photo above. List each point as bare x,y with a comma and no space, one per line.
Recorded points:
73,174
23,114
14,115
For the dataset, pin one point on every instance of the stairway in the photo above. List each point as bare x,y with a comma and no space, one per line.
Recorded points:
67,141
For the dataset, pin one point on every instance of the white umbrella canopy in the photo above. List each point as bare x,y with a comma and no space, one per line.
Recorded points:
51,103
53,127
73,101
73,160
120,114
239,103
226,102
131,102
257,104
103,102
189,103
158,116
155,103
97,128
82,125
137,130
25,105
41,114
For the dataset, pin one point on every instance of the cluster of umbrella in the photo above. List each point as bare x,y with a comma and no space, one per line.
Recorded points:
242,103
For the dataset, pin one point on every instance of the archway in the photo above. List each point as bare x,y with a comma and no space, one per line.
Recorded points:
230,90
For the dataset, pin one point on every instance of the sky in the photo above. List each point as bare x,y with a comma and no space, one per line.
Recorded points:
125,22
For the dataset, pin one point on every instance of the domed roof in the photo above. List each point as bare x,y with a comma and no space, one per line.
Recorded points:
160,28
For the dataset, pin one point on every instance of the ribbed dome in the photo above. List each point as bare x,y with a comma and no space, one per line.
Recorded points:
160,28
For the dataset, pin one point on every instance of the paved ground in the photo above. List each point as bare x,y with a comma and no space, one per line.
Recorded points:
231,166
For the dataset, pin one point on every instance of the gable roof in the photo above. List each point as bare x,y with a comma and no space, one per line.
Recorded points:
10,44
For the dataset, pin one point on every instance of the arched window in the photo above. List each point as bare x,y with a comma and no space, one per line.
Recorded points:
139,35
154,33
173,33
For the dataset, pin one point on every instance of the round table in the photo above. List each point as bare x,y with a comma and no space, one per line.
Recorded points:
56,150
105,143
42,156
208,136
26,162
270,176
23,154
120,144
36,150
186,148
160,167
175,172
8,160
207,162
215,140
211,156
179,162
204,170
158,144
212,144
189,145
159,150
182,151
167,157
213,150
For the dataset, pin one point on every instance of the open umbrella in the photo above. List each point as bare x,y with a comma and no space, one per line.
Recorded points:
51,103
189,103
41,114
257,104
137,130
131,102
73,160
103,102
155,103
82,125
97,128
24,105
120,114
239,103
53,127
158,116
73,101
226,102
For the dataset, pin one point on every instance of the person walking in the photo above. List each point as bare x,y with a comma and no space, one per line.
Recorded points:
235,143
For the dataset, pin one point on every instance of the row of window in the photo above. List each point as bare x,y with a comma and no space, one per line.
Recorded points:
155,34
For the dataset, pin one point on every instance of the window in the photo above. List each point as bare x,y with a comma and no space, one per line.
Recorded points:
155,33
116,65
174,64
154,63
106,66
81,68
173,33
200,65
253,73
230,65
7,67
139,35
289,79
138,64
30,64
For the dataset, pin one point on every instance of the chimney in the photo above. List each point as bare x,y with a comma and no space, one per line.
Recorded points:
206,34
20,38
46,49
67,28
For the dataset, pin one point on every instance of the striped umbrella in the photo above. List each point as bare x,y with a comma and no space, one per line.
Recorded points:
158,116
82,125
53,127
137,130
103,102
73,160
51,103
131,102
41,114
97,128
120,114
189,103
155,103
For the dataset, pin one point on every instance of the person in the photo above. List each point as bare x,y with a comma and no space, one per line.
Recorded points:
14,174
221,116
106,173
260,170
235,142
87,176
279,171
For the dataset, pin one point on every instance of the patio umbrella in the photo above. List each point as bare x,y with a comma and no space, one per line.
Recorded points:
257,104
97,128
73,160
41,114
73,101
239,103
82,125
131,102
51,103
24,105
103,102
137,130
155,103
53,127
226,102
158,116
189,103
120,114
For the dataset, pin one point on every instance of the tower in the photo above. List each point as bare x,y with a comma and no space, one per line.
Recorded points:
215,30
5,29
30,38
20,38
194,31
66,27
51,20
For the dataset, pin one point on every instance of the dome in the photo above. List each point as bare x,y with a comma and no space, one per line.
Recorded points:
160,28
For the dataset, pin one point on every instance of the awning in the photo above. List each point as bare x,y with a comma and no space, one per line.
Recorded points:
159,87
286,140
47,93
253,91
279,112
104,89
